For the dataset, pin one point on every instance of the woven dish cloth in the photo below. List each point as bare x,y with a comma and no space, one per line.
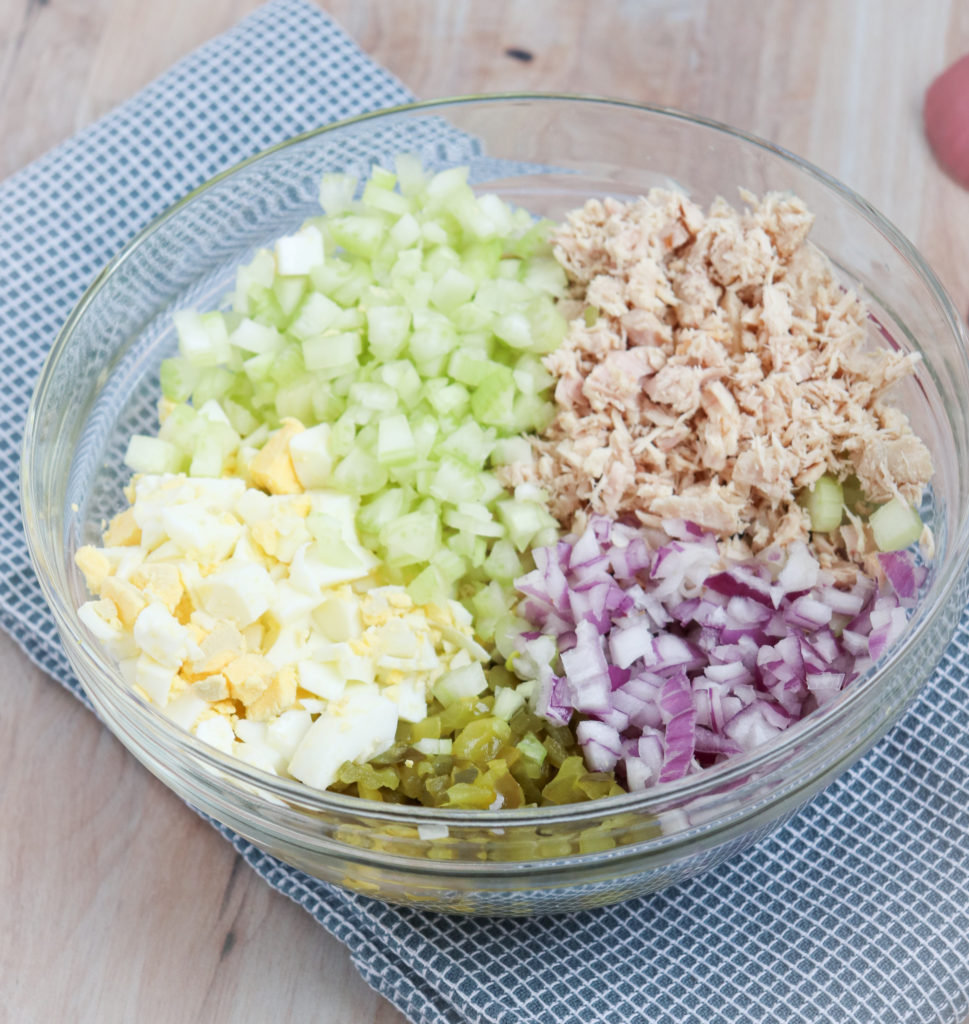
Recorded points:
856,911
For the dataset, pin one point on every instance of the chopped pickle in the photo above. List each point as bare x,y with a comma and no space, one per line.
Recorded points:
493,763
575,783
481,739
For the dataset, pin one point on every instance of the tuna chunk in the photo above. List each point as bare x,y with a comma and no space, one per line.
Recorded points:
726,370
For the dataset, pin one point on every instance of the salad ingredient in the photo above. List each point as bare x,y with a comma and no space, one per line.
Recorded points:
229,615
359,462
895,525
825,502
404,328
672,657
726,371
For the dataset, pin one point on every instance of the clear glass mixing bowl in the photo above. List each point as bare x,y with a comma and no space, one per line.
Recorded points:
548,154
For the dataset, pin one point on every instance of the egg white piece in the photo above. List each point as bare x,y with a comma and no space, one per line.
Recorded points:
357,727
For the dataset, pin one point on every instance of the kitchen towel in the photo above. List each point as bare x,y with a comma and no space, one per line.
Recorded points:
856,911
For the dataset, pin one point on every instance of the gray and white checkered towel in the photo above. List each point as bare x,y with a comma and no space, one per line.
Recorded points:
856,911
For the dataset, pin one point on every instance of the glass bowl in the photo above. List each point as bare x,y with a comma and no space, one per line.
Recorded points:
548,154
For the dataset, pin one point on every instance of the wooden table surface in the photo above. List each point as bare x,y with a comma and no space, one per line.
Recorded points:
116,902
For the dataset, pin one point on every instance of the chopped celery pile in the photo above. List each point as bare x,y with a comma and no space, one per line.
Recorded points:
405,325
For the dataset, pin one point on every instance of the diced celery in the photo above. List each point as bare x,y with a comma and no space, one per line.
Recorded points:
208,458
202,338
490,603
824,502
531,376
428,587
327,351
401,377
178,378
514,330
532,747
411,175
406,267
465,520
257,368
316,315
254,337
296,401
449,564
328,406
501,296
287,367
470,443
548,326
448,183
452,289
264,308
383,178
242,420
522,519
358,233
387,330
471,547
895,525
469,367
503,563
532,414
405,232
151,455
430,344
181,426
373,395
546,274
460,683
511,449
446,399
386,507
257,274
337,192
359,473
424,429
493,402
212,383
411,539
289,293
395,442
355,284
497,211
507,701
386,200
329,277
408,325
475,222
454,482
327,532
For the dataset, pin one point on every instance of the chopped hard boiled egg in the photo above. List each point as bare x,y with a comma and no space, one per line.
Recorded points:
265,650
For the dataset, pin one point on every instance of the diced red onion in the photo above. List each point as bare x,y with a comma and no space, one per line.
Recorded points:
601,744
678,659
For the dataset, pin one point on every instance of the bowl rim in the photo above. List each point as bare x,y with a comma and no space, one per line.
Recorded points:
658,798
